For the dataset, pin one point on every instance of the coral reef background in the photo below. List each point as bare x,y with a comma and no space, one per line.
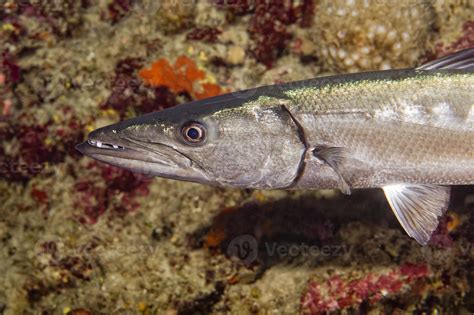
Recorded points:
81,237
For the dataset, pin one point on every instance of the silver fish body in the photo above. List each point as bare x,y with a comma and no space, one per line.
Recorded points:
409,132
405,127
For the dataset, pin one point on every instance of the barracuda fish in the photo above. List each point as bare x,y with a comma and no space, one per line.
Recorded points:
409,132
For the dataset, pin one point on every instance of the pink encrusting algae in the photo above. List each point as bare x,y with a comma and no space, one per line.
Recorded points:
268,25
119,193
205,34
117,10
466,40
35,145
341,293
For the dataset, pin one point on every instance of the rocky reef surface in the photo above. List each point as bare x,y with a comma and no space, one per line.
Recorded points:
81,237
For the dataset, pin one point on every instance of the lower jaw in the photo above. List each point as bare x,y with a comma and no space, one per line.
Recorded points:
153,169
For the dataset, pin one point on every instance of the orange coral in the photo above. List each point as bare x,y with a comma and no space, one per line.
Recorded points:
183,76
453,221
209,89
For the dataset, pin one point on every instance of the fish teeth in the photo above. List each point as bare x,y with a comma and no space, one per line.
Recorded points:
100,144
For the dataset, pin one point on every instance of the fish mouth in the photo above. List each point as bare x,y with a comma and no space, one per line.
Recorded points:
154,159
99,144
159,154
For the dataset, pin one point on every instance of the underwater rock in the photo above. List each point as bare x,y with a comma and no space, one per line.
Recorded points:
80,237
173,16
47,21
455,25
235,55
370,35
269,24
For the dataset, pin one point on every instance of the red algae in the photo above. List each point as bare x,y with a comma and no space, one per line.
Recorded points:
59,18
338,293
466,40
413,271
205,34
118,195
33,149
268,29
9,67
117,10
269,22
39,195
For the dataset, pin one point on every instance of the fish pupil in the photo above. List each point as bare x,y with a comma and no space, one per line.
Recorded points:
193,133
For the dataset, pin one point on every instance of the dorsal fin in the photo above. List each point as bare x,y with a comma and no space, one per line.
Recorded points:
461,60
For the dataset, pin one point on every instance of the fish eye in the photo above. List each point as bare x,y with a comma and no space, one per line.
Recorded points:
193,133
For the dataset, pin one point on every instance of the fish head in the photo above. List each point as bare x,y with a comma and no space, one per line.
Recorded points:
223,141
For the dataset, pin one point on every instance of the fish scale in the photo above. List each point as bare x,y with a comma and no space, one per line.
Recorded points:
395,141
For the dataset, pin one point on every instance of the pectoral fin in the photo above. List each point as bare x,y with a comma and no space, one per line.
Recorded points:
418,208
335,157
